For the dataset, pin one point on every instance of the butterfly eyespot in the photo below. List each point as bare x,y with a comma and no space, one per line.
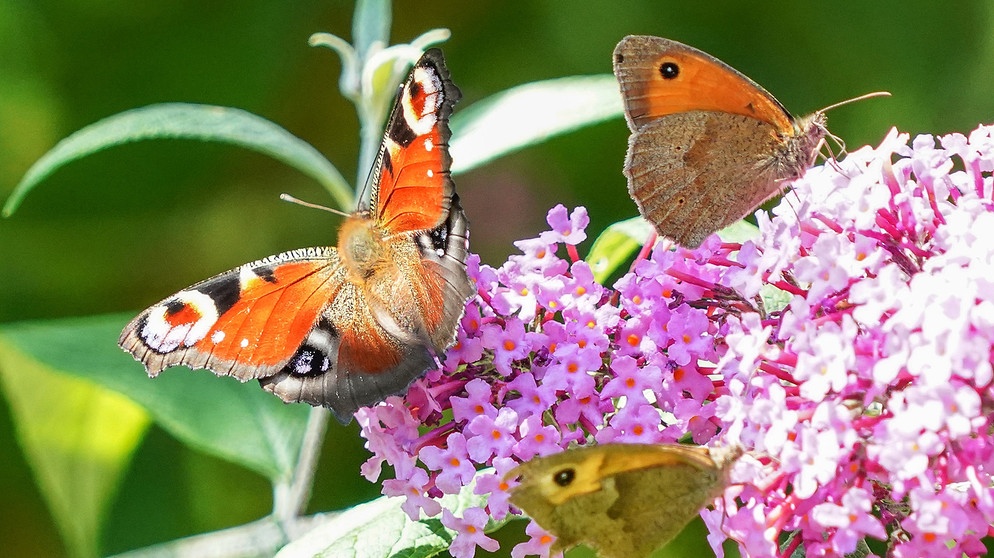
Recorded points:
175,306
669,70
681,200
434,241
308,361
564,477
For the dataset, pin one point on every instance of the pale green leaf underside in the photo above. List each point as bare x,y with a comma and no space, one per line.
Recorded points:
381,529
616,245
77,438
187,121
621,240
529,114
739,231
220,416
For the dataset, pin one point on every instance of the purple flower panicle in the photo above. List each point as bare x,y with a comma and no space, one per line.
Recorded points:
848,349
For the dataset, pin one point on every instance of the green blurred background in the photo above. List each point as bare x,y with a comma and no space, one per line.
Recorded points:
120,230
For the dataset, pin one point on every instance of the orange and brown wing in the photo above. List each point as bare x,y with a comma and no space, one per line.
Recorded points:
247,322
660,77
412,189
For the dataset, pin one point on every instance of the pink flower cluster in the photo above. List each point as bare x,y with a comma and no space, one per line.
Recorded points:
869,396
864,398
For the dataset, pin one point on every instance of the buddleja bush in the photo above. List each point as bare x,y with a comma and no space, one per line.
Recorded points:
847,348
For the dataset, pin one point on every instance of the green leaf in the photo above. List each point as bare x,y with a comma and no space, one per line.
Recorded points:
620,240
348,82
529,114
187,121
78,439
381,529
220,416
774,299
739,231
371,25
616,245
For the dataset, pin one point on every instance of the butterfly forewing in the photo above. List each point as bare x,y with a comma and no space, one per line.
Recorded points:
414,186
694,81
237,323
625,500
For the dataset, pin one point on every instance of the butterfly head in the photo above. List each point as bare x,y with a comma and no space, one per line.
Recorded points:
800,151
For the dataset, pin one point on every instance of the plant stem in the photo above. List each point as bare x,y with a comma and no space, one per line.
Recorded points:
290,498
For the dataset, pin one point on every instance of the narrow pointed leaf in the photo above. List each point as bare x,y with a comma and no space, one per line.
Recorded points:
616,245
187,121
529,114
78,439
381,529
371,25
220,416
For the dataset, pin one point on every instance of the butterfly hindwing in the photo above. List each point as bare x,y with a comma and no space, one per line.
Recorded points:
702,197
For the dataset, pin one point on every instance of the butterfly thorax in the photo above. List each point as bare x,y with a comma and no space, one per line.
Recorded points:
800,149
361,246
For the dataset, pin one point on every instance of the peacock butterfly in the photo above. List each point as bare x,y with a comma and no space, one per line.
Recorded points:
346,327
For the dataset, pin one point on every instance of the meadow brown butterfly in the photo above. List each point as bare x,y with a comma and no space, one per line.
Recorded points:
708,144
623,500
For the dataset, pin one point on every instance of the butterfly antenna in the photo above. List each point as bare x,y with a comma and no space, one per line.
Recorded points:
288,198
854,99
367,184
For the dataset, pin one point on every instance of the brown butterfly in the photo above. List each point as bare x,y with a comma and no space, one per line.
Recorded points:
708,145
624,500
